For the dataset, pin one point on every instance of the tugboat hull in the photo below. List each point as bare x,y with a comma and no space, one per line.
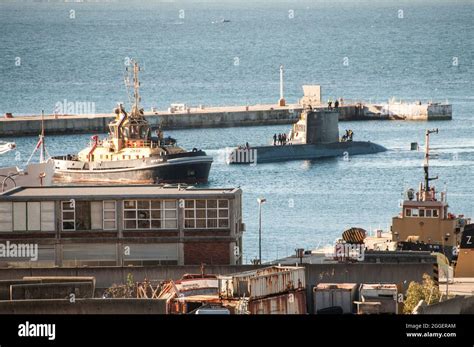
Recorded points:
180,170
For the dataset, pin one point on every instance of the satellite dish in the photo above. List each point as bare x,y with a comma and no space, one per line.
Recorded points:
411,194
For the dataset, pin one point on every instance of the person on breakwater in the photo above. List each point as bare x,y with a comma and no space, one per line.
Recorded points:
274,139
336,104
330,104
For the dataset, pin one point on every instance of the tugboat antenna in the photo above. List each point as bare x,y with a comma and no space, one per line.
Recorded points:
427,159
136,87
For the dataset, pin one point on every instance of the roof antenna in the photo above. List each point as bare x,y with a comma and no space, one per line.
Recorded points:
427,159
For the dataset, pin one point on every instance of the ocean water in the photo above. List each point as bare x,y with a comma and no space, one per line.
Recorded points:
356,50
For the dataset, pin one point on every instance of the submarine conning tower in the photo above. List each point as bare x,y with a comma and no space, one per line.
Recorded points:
316,126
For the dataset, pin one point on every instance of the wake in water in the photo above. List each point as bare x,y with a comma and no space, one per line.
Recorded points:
221,156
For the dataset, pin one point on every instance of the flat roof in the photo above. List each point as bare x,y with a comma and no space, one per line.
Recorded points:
115,192
415,203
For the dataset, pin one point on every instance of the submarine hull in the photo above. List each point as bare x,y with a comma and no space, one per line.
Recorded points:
269,154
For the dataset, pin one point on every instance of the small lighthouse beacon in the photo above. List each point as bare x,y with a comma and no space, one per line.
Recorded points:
281,102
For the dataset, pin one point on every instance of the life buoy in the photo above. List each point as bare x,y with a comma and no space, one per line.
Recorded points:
195,150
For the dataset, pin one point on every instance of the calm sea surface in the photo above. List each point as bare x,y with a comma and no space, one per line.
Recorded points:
189,56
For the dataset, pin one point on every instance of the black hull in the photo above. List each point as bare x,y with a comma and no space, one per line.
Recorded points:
190,172
186,173
428,247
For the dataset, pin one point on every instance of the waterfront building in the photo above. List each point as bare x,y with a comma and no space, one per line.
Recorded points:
121,225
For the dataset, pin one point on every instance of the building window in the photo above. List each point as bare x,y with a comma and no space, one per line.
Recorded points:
422,212
428,213
68,214
408,212
6,216
209,214
109,215
435,214
150,214
76,215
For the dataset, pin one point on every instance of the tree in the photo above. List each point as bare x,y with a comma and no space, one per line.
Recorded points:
427,291
127,290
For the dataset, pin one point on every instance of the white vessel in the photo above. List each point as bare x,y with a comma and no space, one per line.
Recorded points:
6,146
34,174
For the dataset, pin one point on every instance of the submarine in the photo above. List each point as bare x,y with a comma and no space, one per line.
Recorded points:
314,136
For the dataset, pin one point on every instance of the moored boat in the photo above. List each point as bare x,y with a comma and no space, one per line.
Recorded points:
6,146
425,222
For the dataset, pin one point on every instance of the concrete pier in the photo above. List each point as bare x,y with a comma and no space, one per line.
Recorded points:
191,118
228,116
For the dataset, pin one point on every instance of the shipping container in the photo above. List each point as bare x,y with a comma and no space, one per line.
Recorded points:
326,295
293,302
262,282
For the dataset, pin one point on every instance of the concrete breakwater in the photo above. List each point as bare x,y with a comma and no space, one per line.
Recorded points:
228,116
191,118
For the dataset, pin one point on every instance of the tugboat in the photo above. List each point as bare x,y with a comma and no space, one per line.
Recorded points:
130,154
425,224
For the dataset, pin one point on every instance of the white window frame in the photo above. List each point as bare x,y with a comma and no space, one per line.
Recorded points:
207,219
163,215
114,210
68,220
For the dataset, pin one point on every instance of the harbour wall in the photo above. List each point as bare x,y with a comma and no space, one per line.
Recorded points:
196,118
416,111
315,273
84,306
212,117
397,273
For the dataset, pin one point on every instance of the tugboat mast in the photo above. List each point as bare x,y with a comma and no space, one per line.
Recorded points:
42,152
136,91
427,161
